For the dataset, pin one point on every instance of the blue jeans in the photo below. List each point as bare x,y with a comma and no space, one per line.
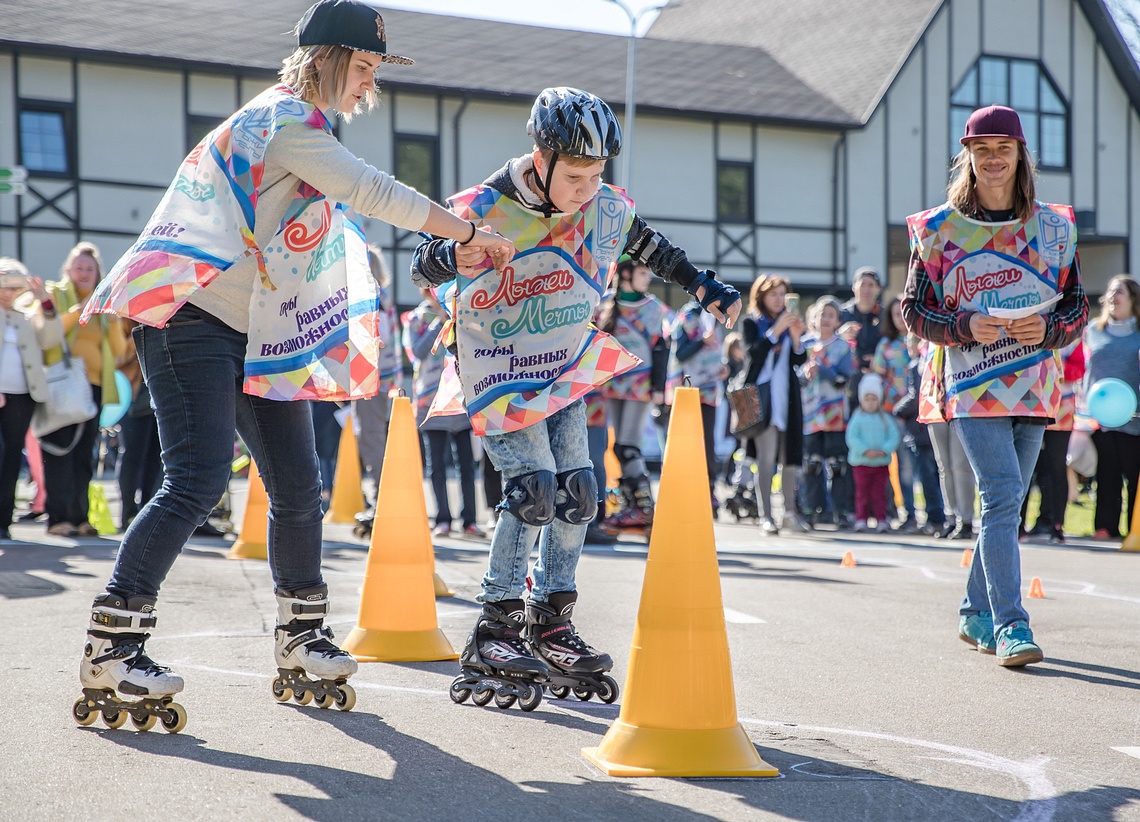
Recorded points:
557,443
927,468
194,370
1002,452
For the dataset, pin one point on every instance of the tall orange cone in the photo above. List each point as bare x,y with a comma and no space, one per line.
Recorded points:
1132,541
678,715
347,497
253,539
397,621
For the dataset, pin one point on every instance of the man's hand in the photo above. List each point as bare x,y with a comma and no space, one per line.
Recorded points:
1028,330
500,249
849,331
986,329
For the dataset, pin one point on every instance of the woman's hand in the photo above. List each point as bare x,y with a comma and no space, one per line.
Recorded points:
499,248
782,323
1027,330
850,331
36,286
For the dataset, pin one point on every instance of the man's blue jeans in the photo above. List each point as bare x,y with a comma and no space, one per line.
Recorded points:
556,444
1002,452
194,369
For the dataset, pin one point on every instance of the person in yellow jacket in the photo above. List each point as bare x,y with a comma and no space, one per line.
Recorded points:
69,453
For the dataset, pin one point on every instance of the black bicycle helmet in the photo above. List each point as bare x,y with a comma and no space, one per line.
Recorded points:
575,123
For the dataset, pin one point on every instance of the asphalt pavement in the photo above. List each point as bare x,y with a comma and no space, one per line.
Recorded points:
851,681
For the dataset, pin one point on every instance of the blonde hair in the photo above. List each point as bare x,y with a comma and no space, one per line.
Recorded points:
92,251
816,311
1133,289
11,267
961,193
321,73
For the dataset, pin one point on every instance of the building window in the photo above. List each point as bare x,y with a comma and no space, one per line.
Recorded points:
1023,85
46,140
733,192
417,163
197,127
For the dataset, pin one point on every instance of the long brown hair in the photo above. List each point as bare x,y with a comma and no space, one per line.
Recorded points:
961,193
765,283
1133,289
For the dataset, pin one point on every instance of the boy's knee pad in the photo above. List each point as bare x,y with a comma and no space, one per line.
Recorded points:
577,496
813,465
839,466
531,497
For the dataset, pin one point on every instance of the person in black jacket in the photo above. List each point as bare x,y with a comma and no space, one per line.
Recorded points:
917,440
773,349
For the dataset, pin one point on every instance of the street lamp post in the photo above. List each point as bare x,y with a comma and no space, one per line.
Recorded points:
630,85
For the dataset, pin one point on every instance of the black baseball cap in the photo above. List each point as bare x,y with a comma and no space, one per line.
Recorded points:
347,23
866,271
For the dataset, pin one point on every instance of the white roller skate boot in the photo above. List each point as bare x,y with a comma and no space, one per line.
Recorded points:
114,659
303,646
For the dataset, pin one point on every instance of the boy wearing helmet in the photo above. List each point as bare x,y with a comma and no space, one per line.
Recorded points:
526,355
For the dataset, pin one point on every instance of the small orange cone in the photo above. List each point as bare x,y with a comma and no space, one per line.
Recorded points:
848,560
678,715
347,497
1132,541
1035,589
896,483
397,621
253,539
967,557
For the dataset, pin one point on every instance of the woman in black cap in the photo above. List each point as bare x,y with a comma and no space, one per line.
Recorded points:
995,283
252,286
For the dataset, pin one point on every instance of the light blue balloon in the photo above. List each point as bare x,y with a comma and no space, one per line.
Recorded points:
1112,402
113,412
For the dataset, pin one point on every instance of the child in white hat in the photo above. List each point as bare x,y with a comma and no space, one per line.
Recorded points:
872,437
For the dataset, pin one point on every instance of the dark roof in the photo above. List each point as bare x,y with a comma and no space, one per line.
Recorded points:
847,51
476,56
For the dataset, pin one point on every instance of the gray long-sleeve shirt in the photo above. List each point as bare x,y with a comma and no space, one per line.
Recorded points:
299,152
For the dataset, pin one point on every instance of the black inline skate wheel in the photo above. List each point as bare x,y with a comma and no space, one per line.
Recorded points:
583,694
82,713
458,690
143,722
504,700
114,719
345,697
484,693
280,692
174,720
608,692
323,700
302,697
531,698
559,691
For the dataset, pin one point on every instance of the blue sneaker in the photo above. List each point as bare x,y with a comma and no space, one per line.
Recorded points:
1015,646
978,630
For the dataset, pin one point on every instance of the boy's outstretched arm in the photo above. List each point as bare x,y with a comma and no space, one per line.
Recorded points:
650,248
433,263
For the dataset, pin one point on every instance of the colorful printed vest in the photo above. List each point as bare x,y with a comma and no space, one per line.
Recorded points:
891,361
639,326
825,404
703,368
976,266
527,347
426,371
313,318
390,364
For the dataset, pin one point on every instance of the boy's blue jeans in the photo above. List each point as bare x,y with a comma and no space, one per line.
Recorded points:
195,369
556,444
1002,452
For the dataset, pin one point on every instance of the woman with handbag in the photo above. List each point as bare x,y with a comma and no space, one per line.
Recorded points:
28,326
238,331
773,349
69,452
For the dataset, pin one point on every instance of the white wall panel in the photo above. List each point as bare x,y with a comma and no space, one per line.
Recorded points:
1112,151
794,248
44,251
866,201
734,142
904,141
491,134
965,18
1134,192
130,123
673,172
1083,113
1053,186
794,176
213,95
115,208
937,102
415,113
43,78
1056,21
1010,27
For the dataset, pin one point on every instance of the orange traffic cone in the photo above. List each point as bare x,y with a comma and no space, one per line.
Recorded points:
253,539
848,560
397,621
1035,589
678,715
347,498
896,483
440,587
967,557
1132,541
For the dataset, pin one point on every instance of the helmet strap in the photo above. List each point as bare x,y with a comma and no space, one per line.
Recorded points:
544,185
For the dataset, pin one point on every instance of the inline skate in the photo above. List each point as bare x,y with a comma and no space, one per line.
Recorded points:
362,529
302,645
114,659
742,505
495,662
572,664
